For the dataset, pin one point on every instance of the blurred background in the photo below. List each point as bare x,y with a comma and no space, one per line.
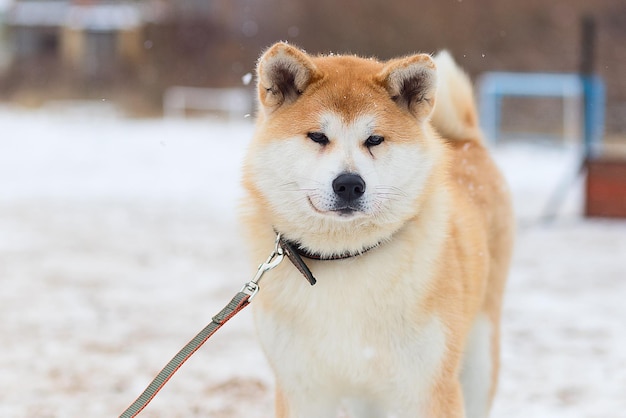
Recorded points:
130,52
122,129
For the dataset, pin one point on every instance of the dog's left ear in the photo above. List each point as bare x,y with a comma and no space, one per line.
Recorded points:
411,83
283,73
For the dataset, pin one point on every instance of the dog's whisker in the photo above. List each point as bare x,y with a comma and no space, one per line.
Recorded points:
392,189
299,190
309,180
293,187
389,194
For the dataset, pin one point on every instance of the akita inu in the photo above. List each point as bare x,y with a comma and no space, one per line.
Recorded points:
377,174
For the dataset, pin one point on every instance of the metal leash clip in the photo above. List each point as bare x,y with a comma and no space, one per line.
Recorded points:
275,258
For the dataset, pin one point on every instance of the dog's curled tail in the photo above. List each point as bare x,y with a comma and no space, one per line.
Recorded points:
455,115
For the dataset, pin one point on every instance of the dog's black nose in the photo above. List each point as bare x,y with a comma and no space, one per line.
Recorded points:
349,186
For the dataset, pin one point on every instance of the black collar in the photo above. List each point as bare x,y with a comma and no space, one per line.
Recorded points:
303,252
294,252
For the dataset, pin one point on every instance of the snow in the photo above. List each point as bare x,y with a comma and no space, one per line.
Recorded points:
119,241
246,79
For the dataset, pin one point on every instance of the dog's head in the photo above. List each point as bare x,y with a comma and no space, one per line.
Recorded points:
343,150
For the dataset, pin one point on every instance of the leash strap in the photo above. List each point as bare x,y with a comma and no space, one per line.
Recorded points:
240,301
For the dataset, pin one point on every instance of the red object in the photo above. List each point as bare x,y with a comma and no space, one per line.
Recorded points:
606,187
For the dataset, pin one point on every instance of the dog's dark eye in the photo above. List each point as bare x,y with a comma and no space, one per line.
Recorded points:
374,140
318,137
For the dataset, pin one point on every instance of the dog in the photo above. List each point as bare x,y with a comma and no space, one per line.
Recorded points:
376,173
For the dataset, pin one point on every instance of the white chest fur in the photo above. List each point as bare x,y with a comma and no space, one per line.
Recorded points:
360,333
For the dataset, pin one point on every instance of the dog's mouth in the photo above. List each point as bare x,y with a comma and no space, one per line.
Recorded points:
345,211
342,210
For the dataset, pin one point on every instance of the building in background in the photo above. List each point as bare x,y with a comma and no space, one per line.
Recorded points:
120,49
93,40
136,49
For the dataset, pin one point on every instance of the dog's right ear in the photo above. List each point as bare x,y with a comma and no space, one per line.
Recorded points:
283,73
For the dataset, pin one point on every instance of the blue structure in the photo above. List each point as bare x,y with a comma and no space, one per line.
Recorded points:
594,106
586,93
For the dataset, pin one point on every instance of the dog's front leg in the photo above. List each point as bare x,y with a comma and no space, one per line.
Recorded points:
447,401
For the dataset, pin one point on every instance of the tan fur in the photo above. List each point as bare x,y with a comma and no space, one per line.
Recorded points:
385,331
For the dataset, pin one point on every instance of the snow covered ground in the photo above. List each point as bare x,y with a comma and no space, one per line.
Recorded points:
118,242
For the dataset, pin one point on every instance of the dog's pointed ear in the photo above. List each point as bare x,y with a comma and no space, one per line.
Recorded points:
411,82
283,73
